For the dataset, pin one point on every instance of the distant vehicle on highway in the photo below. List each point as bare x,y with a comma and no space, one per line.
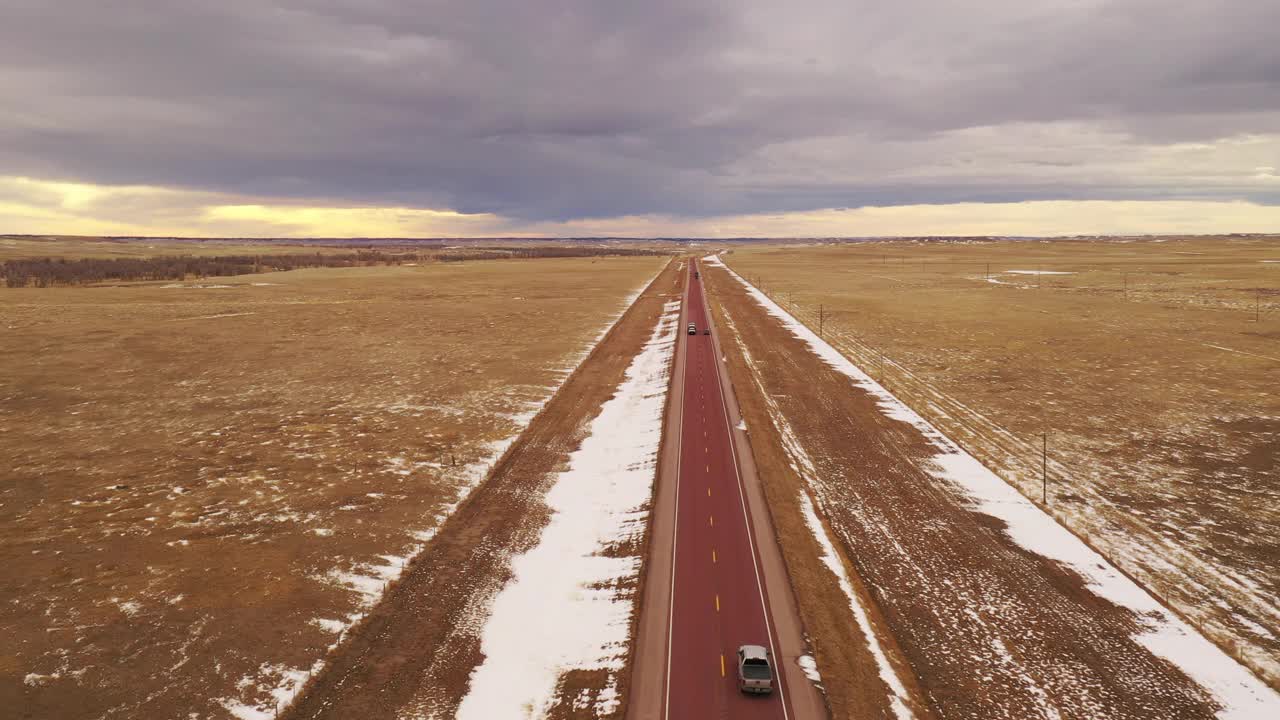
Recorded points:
706,330
696,274
693,329
754,673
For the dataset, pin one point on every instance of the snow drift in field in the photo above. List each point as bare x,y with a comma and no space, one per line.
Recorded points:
563,609
1238,691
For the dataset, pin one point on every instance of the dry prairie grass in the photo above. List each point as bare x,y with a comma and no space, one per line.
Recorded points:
200,486
1144,365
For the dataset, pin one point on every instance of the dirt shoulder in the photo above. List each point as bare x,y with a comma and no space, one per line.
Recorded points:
414,654
986,629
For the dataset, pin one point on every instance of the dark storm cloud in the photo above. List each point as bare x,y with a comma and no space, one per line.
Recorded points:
559,109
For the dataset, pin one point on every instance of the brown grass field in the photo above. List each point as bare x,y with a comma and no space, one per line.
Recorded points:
1148,368
201,486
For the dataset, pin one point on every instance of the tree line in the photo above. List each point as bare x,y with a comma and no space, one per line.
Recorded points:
51,272
46,272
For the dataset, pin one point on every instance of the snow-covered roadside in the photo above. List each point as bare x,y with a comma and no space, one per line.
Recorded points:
805,467
282,684
1234,687
563,610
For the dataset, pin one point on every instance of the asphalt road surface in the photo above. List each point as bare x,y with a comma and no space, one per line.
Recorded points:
718,599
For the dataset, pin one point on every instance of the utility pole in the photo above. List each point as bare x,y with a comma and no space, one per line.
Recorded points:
988,275
1126,286
1044,468
820,319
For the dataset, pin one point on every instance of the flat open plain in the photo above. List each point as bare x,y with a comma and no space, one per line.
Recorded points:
205,483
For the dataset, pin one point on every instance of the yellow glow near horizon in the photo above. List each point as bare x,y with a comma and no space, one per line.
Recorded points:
33,206
351,221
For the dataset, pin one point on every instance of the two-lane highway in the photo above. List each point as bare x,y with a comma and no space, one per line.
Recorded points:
718,600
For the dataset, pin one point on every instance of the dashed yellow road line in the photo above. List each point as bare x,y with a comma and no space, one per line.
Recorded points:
717,603
721,664
713,556
712,518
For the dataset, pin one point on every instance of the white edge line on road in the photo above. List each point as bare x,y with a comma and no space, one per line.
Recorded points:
675,524
755,558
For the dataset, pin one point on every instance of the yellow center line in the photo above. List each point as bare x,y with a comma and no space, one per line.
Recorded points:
712,518
708,468
717,603
708,492
713,556
721,664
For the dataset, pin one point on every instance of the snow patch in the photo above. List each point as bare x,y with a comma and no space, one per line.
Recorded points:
286,685
128,607
333,626
810,668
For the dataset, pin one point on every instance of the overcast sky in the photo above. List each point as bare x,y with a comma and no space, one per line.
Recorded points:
547,114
